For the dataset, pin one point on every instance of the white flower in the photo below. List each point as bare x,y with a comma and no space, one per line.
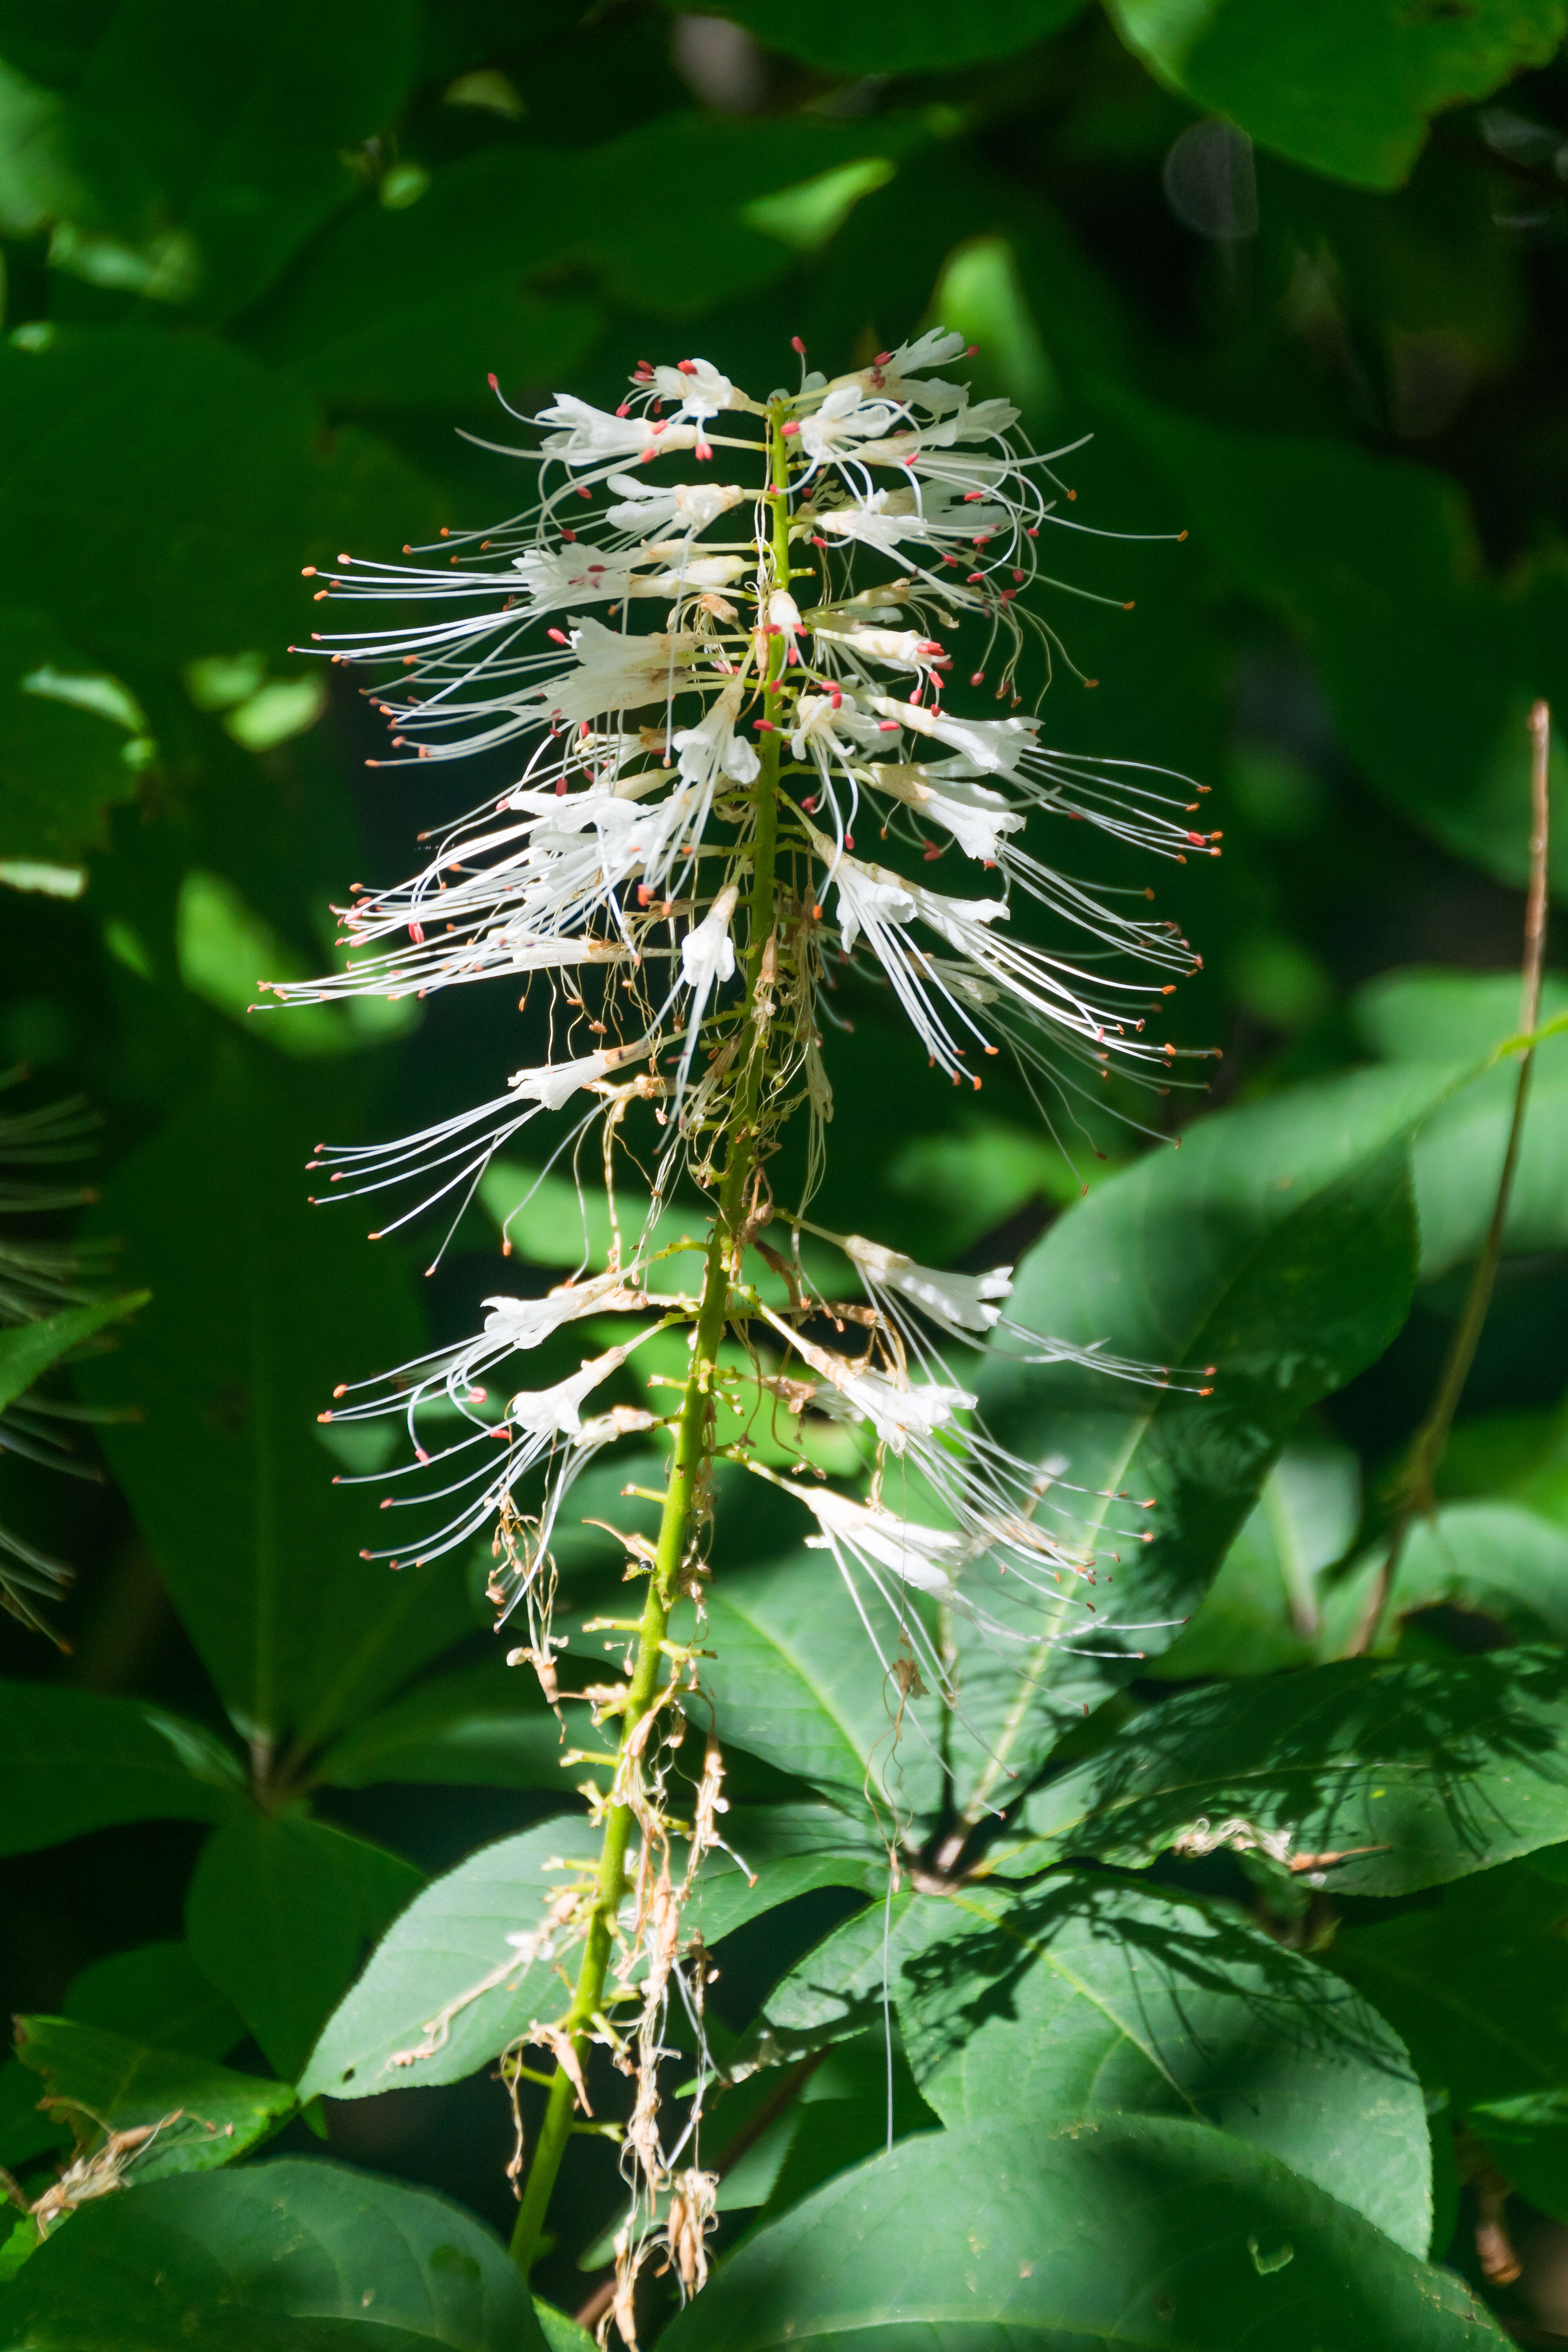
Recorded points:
992,747
960,1303
614,673
652,507
554,1084
712,748
869,897
845,418
894,648
525,1322
897,1414
975,818
925,1557
558,1412
589,435
707,958
699,388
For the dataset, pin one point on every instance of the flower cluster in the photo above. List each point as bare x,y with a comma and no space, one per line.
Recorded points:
704,701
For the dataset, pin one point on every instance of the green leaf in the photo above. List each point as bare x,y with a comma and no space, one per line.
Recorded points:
1264,1610
1473,1983
288,2257
206,150
1396,594
922,37
100,426
1396,1776
561,2334
74,742
1437,1016
27,1351
446,1975
1089,1997
483,1726
794,1680
278,1914
1278,1245
1126,2231
156,1994
447,1982
103,2081
261,1306
1491,1559
422,303
1346,86
72,1761
1527,2138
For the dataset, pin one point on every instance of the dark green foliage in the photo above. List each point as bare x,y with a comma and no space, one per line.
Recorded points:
1176,1994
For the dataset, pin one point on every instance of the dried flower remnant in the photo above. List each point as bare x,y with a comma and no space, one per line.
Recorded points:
706,699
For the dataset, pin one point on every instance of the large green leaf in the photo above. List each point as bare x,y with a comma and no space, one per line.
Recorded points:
1390,602
72,1761
1346,86
1477,1983
155,1994
441,1983
795,1679
102,2082
289,2256
1089,1996
101,425
485,1726
1277,1244
1265,1608
924,36
450,1946
280,1915
262,1305
1125,2231
1391,1776
1442,1017
75,741
206,149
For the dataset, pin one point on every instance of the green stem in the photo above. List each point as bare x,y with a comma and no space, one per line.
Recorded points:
693,1429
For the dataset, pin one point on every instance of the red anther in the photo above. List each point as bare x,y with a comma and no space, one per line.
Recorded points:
703,452
796,346
417,933
559,635
657,410
971,351
977,677
625,409
931,851
1198,840
972,497
793,426
887,726
974,576
582,493
1019,577
687,367
644,367
1031,534
916,695
848,841
493,381
817,542
1008,595
585,728
836,697
810,805
648,457
560,792
569,535
882,357
644,893
765,726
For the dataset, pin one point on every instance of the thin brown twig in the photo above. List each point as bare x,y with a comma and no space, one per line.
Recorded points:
1418,1484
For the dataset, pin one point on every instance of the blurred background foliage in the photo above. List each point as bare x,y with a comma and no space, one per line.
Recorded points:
1301,275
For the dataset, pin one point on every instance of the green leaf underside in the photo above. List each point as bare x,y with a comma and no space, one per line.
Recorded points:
74,1761
1398,1775
482,1726
1087,1997
280,1915
1121,2231
155,1994
208,2115
293,2256
1345,85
